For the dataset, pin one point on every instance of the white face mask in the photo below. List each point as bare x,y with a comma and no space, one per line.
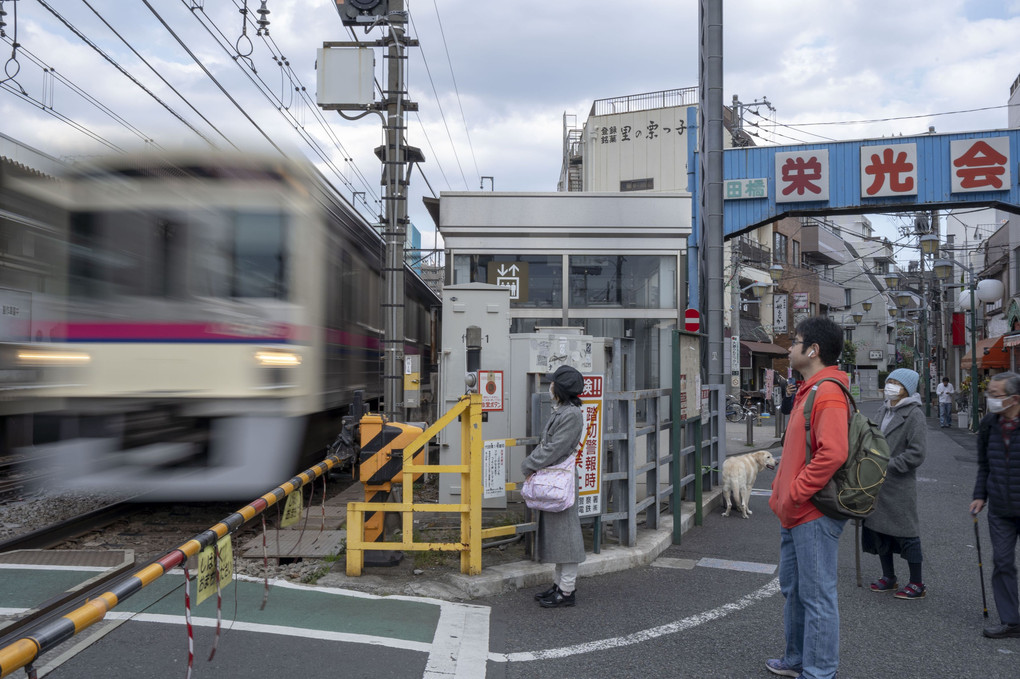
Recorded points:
995,404
892,391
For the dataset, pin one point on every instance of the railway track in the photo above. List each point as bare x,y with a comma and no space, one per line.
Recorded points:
68,529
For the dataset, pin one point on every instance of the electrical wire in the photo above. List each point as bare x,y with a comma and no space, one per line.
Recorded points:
160,76
81,36
433,150
49,71
287,71
914,117
467,130
210,76
439,104
20,93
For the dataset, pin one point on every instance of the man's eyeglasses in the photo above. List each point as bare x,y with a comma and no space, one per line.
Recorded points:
796,342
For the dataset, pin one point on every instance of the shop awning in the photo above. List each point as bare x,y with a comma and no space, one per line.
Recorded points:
763,348
1011,340
991,355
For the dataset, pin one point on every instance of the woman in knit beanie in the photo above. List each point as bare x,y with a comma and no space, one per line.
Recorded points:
893,527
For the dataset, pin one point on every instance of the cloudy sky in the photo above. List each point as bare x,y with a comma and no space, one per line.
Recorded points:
518,67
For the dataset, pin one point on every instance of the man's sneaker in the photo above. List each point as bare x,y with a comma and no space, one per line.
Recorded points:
884,584
1002,631
911,591
780,667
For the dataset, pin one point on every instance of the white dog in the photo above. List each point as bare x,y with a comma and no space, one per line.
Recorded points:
738,475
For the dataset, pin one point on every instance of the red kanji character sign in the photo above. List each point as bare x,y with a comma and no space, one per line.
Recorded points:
802,176
888,170
980,164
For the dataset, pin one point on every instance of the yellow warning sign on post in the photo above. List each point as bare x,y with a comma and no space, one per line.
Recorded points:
293,509
207,568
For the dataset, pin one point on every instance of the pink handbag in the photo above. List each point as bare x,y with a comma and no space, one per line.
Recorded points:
551,489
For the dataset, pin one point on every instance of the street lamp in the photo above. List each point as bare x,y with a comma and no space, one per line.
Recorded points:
943,270
929,244
858,317
904,298
893,311
892,280
776,272
866,306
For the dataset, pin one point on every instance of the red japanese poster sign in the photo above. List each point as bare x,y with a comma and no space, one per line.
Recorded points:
589,451
889,170
802,176
490,386
980,164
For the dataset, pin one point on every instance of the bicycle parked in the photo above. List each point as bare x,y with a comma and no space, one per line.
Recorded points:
737,411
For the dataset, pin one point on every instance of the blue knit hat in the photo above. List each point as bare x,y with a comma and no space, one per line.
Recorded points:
908,378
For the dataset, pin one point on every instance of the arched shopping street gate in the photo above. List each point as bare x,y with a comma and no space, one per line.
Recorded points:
896,174
927,172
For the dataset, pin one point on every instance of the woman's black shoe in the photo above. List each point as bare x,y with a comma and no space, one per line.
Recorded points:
547,593
557,599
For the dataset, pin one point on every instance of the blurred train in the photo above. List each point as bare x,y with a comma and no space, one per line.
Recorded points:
217,316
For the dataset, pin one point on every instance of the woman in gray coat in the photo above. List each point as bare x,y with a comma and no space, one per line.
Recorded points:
893,528
559,533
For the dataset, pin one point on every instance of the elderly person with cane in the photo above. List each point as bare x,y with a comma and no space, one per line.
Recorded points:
998,486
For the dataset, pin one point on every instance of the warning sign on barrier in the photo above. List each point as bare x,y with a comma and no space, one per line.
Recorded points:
293,509
207,568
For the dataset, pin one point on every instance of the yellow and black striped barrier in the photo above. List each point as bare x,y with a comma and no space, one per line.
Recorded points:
24,651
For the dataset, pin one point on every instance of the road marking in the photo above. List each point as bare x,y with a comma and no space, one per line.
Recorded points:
460,647
668,562
749,566
761,492
687,623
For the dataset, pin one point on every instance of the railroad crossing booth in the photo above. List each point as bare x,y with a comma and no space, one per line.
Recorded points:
580,269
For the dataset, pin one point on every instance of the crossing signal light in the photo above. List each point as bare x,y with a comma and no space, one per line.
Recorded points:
361,12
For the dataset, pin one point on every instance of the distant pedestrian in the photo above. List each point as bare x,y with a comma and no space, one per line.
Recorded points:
893,528
559,533
998,485
786,405
809,540
945,393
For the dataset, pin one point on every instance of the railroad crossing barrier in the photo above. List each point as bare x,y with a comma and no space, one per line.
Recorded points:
24,651
469,410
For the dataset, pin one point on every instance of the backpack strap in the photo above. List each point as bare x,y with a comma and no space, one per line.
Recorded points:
809,408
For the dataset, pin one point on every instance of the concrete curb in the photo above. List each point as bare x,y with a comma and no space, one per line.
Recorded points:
495,580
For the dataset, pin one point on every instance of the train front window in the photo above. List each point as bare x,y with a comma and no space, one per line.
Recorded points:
259,256
178,253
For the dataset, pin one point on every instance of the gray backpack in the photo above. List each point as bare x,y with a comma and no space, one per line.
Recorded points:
852,492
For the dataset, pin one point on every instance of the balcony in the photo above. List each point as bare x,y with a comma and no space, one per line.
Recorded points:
821,246
754,254
831,294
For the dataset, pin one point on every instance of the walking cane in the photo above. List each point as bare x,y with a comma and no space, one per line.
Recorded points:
981,569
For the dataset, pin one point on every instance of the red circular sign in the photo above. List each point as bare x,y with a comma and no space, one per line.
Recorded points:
692,320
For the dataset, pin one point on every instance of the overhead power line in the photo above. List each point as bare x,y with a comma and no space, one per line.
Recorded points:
160,76
467,130
439,104
211,76
81,36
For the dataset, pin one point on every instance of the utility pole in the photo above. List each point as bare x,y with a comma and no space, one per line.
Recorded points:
710,193
394,158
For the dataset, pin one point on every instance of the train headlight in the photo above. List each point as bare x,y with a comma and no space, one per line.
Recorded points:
46,357
278,359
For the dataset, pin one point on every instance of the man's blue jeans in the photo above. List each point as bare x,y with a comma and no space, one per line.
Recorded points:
807,578
945,413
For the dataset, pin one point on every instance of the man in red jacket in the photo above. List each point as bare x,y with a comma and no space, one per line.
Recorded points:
809,540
